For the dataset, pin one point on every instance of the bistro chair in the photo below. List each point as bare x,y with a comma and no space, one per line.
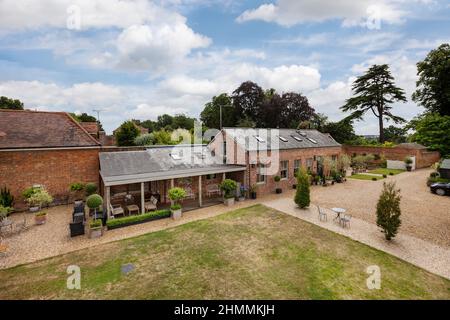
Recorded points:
345,220
150,205
116,210
322,214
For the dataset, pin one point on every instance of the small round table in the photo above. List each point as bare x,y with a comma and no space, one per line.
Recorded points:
338,211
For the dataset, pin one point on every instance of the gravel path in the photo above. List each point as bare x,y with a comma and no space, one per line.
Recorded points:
424,215
421,253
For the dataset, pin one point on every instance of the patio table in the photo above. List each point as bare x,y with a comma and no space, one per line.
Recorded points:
338,211
131,208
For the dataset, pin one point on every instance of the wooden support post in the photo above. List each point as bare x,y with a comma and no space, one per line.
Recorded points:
108,201
142,198
200,191
223,176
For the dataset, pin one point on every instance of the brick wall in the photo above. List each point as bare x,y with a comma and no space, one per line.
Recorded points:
424,158
55,169
270,185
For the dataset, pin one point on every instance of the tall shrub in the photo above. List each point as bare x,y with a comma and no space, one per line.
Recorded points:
228,187
388,210
176,194
302,198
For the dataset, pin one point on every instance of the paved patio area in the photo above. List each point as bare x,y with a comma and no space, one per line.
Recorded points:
424,237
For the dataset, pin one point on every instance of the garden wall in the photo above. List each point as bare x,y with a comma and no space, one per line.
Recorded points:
56,169
424,158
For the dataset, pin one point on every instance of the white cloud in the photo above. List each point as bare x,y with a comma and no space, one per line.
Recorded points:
31,14
291,12
157,47
50,96
310,40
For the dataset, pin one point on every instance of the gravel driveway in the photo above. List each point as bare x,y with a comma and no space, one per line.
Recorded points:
424,215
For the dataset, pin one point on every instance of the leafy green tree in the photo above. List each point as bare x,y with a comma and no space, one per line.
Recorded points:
210,116
163,137
395,134
342,131
164,122
302,196
433,86
181,121
375,91
433,131
295,108
147,139
247,100
148,124
388,210
7,103
126,134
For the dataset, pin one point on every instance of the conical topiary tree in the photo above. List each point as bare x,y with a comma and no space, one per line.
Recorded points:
302,198
388,210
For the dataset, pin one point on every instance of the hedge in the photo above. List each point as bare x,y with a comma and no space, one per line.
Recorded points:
137,219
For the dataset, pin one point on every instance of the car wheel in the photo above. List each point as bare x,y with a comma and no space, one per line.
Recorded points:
440,192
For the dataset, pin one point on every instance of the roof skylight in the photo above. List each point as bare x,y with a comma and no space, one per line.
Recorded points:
175,156
312,140
283,139
261,140
297,138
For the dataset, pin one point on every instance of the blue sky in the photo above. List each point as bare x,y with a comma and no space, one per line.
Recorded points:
139,59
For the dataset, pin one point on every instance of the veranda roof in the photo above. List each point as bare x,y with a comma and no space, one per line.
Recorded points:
160,163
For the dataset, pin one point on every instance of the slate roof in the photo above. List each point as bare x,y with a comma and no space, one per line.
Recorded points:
157,163
280,138
412,145
20,129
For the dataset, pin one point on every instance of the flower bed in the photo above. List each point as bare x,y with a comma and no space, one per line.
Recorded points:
132,220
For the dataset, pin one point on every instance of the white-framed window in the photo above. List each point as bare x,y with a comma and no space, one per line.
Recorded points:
284,169
309,164
297,165
261,173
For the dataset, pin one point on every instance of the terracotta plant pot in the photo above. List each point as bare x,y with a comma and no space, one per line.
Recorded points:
40,219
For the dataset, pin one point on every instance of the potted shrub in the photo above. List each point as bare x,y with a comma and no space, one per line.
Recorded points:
228,187
6,198
95,228
277,179
94,202
40,217
408,162
91,188
253,193
176,194
39,198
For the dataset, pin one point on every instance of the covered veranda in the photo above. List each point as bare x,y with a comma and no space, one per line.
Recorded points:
131,179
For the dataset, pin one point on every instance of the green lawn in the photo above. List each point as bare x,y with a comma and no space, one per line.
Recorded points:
386,171
362,176
252,253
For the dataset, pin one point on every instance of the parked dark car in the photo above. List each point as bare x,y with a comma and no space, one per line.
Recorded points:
440,188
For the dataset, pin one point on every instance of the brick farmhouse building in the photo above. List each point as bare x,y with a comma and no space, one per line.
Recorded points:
54,150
